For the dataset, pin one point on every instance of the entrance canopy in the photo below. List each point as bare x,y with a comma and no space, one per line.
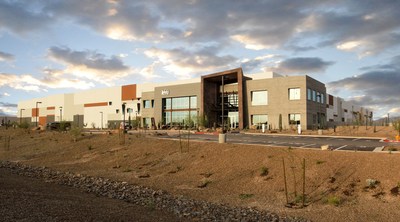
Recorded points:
211,91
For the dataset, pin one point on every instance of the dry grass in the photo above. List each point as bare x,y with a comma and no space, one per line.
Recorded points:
226,173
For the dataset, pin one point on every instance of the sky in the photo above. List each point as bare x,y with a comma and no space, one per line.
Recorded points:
57,46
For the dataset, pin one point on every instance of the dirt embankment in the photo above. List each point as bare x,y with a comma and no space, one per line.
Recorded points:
345,186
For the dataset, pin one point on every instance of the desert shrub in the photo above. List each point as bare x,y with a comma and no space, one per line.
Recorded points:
333,200
396,126
264,171
243,196
24,125
75,132
320,162
204,184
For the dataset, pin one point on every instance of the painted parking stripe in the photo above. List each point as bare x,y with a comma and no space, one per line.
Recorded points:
379,148
308,145
356,139
341,147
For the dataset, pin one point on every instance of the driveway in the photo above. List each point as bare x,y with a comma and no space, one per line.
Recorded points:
294,141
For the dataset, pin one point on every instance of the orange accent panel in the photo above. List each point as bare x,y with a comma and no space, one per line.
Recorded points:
42,120
51,108
50,115
96,104
128,92
35,112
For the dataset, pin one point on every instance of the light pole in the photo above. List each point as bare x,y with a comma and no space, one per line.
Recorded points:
123,112
129,111
101,120
319,111
222,136
37,112
20,116
61,113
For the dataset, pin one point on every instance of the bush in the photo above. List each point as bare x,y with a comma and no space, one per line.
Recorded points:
243,196
75,132
264,171
24,125
334,200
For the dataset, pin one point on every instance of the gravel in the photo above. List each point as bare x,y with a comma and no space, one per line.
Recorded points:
157,199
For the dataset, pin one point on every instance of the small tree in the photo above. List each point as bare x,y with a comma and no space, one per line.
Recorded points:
24,125
75,132
396,126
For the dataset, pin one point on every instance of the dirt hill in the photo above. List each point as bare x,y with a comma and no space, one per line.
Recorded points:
339,186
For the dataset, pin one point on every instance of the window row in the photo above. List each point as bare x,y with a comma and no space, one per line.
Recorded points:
188,102
260,98
179,117
315,96
257,119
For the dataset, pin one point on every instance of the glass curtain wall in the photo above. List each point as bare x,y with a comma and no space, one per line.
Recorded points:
177,110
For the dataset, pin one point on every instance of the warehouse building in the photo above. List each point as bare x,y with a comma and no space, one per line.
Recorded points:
229,97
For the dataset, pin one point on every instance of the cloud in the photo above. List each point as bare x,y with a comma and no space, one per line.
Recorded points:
6,57
7,109
52,79
90,64
22,17
366,29
12,105
185,63
378,85
148,72
301,65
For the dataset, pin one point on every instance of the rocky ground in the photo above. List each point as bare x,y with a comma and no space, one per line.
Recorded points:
33,201
229,178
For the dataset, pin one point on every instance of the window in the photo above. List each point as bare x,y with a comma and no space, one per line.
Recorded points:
166,103
294,94
259,98
259,119
146,104
117,110
180,103
152,103
314,96
179,109
294,118
318,97
109,103
309,94
322,98
193,102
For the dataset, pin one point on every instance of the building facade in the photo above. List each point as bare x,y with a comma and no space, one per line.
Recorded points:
229,97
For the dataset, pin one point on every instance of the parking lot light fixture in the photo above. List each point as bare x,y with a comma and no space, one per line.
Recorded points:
101,120
37,112
61,113
20,116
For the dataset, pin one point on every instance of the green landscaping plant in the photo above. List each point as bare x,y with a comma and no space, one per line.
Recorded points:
24,125
243,196
396,126
264,171
75,132
333,200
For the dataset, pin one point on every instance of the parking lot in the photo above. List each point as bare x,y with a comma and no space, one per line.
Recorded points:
294,141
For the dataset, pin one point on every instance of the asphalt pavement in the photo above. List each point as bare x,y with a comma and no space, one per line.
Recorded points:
294,141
